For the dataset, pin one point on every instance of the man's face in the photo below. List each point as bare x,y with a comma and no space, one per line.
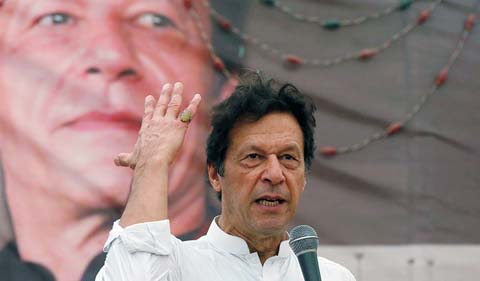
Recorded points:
264,175
73,78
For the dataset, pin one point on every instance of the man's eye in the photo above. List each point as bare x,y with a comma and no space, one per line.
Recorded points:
56,19
288,157
253,156
154,20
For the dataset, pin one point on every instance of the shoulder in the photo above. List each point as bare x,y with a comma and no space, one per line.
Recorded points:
331,270
9,254
200,243
13,268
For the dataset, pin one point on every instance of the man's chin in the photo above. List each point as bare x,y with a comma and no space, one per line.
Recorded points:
94,182
114,179
272,226
107,192
96,151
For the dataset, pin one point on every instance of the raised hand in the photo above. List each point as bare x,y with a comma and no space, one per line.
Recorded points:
163,129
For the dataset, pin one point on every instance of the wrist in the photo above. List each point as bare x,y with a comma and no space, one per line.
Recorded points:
151,165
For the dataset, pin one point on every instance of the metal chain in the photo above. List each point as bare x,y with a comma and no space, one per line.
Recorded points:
296,60
333,24
394,127
397,126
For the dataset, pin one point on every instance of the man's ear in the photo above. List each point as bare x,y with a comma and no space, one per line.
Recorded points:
214,178
304,184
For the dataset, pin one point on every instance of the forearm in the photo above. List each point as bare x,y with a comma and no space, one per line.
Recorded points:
148,199
142,239
160,138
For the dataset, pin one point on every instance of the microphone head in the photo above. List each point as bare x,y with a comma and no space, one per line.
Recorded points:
303,238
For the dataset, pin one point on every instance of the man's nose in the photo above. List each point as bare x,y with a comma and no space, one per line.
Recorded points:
110,54
273,172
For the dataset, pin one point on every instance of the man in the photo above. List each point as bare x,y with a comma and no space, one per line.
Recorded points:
73,77
258,153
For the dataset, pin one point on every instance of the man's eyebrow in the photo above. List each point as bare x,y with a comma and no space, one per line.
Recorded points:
293,146
250,146
288,147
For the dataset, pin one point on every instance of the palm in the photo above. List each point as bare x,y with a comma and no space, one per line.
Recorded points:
162,131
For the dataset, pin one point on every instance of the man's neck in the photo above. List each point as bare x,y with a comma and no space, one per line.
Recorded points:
51,232
64,238
265,246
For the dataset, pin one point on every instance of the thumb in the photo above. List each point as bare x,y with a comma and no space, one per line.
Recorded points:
123,159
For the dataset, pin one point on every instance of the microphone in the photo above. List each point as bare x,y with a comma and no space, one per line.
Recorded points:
304,243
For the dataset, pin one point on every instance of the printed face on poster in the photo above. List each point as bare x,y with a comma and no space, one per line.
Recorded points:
73,79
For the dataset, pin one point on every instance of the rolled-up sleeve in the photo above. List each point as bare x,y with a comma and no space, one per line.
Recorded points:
144,251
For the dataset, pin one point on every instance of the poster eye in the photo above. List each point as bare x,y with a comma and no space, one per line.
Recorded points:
56,18
155,20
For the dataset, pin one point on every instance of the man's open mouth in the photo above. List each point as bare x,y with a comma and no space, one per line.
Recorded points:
270,202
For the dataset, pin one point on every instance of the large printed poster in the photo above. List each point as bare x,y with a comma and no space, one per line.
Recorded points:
74,75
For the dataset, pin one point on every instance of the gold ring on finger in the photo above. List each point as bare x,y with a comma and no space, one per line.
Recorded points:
186,116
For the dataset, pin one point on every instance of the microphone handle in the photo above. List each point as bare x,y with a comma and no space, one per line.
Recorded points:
309,264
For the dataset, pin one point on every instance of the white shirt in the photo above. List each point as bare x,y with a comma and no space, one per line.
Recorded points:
147,251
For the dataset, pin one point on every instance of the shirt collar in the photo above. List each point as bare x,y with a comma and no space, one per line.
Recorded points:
235,244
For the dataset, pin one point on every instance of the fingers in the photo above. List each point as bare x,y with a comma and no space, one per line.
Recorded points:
128,159
123,160
192,107
175,101
169,102
149,109
167,107
163,102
